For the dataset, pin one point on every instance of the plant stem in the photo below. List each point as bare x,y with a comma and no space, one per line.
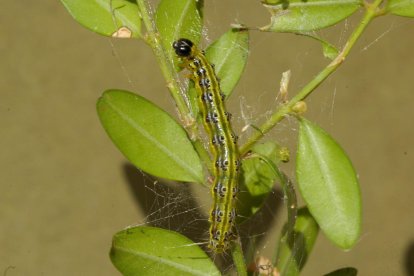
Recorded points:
238,259
152,38
370,14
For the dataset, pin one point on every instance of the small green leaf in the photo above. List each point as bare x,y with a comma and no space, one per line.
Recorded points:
293,251
155,251
401,7
310,15
329,185
178,19
149,137
257,180
346,271
106,16
329,51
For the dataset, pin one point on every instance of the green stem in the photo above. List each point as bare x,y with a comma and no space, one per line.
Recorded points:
238,259
152,38
370,14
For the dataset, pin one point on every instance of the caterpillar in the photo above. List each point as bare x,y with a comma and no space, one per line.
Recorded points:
223,144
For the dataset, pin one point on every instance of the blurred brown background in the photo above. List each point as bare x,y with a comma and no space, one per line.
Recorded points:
64,188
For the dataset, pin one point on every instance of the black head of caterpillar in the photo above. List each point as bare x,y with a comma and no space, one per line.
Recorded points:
183,47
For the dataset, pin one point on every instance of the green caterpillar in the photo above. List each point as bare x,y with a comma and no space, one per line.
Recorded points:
223,144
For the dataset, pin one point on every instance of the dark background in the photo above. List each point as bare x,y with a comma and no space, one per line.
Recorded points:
64,189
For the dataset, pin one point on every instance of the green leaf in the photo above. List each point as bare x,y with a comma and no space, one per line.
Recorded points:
106,16
178,19
155,251
329,185
229,55
257,180
329,51
149,137
346,271
401,7
310,15
293,251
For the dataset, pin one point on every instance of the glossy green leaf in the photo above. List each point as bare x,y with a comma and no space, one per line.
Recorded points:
149,137
329,51
106,16
401,7
310,15
257,180
294,250
178,19
229,55
346,271
329,185
155,251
